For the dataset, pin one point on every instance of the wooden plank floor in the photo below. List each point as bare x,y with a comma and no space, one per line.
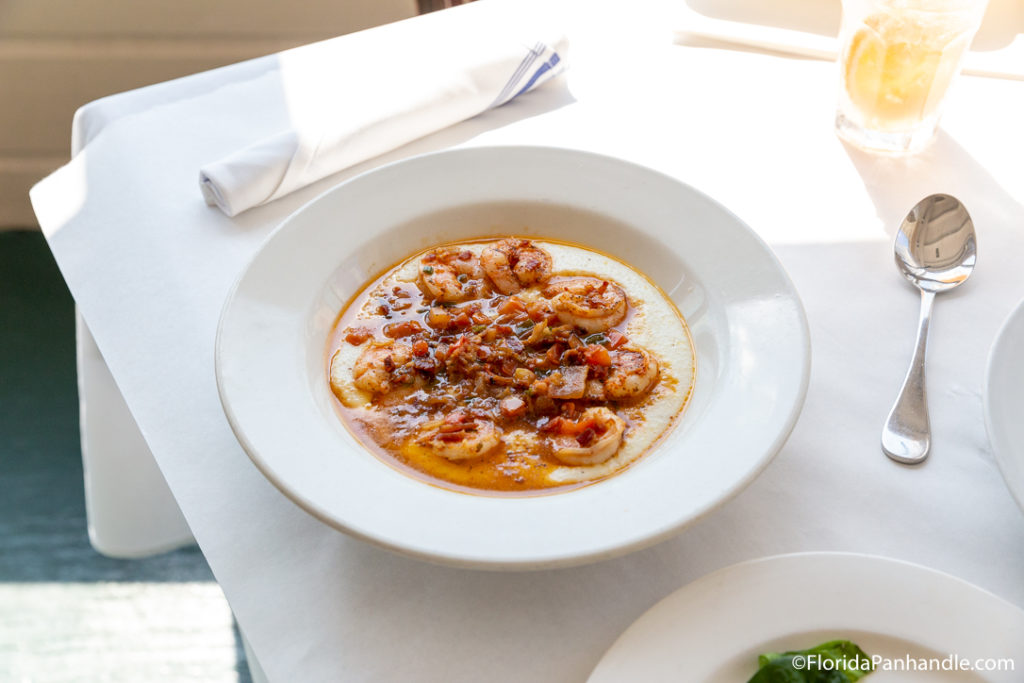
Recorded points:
66,612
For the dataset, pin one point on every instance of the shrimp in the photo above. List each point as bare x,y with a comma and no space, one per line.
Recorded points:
596,443
588,303
513,264
461,437
634,372
374,370
447,274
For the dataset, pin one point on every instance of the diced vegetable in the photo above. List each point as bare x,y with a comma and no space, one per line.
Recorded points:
540,331
568,382
523,376
616,339
358,335
513,407
511,305
597,355
439,318
402,329
538,388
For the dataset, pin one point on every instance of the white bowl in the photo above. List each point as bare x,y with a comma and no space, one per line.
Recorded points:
749,330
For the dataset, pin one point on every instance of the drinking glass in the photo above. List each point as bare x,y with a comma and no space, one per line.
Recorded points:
897,61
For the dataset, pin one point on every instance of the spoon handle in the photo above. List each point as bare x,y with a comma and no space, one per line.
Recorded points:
906,437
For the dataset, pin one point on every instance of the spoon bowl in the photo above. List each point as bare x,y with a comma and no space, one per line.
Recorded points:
936,250
935,247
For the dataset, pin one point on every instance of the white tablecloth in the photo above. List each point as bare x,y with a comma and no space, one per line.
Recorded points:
149,266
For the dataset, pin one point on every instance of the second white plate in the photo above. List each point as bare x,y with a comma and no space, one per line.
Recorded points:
1004,402
712,630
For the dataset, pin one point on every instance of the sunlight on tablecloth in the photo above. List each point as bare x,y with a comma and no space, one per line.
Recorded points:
116,632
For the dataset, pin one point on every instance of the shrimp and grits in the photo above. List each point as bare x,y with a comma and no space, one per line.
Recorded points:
510,366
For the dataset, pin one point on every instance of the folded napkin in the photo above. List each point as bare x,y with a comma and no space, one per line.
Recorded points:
357,96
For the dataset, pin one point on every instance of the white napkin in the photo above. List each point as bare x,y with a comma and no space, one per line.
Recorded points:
357,96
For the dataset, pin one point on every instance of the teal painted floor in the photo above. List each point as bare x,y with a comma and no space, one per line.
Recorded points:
66,612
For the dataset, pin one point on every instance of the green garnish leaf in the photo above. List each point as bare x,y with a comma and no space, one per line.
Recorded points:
837,661
429,270
477,329
596,338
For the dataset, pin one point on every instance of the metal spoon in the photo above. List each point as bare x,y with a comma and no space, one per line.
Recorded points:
935,250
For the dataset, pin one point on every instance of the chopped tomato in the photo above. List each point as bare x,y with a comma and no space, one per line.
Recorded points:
457,346
511,305
420,348
597,355
402,329
357,335
616,339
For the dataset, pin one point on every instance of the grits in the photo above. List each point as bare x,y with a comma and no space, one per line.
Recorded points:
653,323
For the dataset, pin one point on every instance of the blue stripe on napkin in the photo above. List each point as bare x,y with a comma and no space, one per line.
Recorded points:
506,92
547,66
516,85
